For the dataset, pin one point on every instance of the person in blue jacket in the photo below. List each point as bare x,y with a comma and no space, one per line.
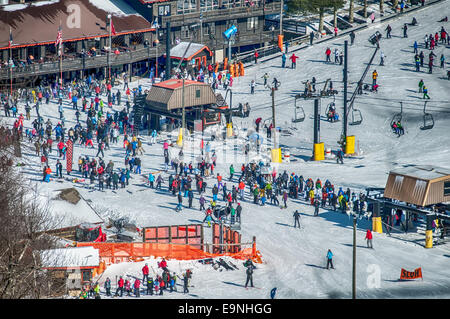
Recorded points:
329,259
151,179
283,60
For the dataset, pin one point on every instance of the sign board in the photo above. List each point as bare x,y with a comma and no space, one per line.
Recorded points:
408,275
218,56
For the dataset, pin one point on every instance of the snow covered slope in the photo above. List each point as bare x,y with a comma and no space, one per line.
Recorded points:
294,259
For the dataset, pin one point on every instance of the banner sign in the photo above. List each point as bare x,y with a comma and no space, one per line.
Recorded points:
406,275
69,156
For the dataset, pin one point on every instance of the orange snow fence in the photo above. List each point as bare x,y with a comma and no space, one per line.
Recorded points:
111,253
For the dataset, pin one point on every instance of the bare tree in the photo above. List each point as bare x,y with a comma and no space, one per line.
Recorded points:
24,221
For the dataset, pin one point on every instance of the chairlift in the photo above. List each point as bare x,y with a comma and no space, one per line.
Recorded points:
356,117
328,109
299,116
397,117
428,120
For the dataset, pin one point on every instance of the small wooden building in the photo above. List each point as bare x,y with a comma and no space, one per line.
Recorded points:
195,54
419,185
168,95
71,268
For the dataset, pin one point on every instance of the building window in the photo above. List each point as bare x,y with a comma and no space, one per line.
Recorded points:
197,94
186,6
164,10
86,276
210,28
185,32
447,188
252,23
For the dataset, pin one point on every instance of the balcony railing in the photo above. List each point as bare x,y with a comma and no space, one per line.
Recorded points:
78,63
231,13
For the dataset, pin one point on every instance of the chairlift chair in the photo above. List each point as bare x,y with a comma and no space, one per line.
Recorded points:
398,117
300,115
428,120
330,105
356,117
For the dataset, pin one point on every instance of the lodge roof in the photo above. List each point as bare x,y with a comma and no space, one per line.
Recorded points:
37,23
423,172
76,257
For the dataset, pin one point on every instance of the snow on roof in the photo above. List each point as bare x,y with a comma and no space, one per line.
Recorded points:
117,7
178,50
423,172
70,257
68,215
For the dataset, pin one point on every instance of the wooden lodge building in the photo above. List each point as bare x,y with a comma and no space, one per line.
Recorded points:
419,185
137,41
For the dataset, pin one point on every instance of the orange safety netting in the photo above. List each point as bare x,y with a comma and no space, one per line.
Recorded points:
111,253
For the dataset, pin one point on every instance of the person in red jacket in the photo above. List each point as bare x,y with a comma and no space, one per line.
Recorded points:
145,272
328,54
163,264
369,239
137,285
294,58
256,56
120,287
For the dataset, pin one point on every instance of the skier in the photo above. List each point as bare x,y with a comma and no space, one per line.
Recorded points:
405,29
420,86
252,87
120,287
108,286
388,32
265,77
283,60
369,239
329,259
145,272
328,54
425,92
180,203
296,219
293,59
316,207
250,266
352,37
382,57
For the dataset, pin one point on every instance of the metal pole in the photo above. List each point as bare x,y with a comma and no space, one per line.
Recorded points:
168,66
275,140
345,87
156,61
11,69
281,17
183,124
110,48
354,260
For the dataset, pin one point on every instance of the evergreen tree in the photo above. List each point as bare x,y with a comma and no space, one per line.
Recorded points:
314,6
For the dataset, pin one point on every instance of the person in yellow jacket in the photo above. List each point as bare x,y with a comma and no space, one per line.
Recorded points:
311,196
374,77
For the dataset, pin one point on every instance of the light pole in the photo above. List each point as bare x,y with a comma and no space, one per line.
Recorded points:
354,259
110,48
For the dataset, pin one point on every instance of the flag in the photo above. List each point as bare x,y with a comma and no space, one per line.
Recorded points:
59,41
10,38
113,30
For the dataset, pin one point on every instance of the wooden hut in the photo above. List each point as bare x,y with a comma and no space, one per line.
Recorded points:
419,185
